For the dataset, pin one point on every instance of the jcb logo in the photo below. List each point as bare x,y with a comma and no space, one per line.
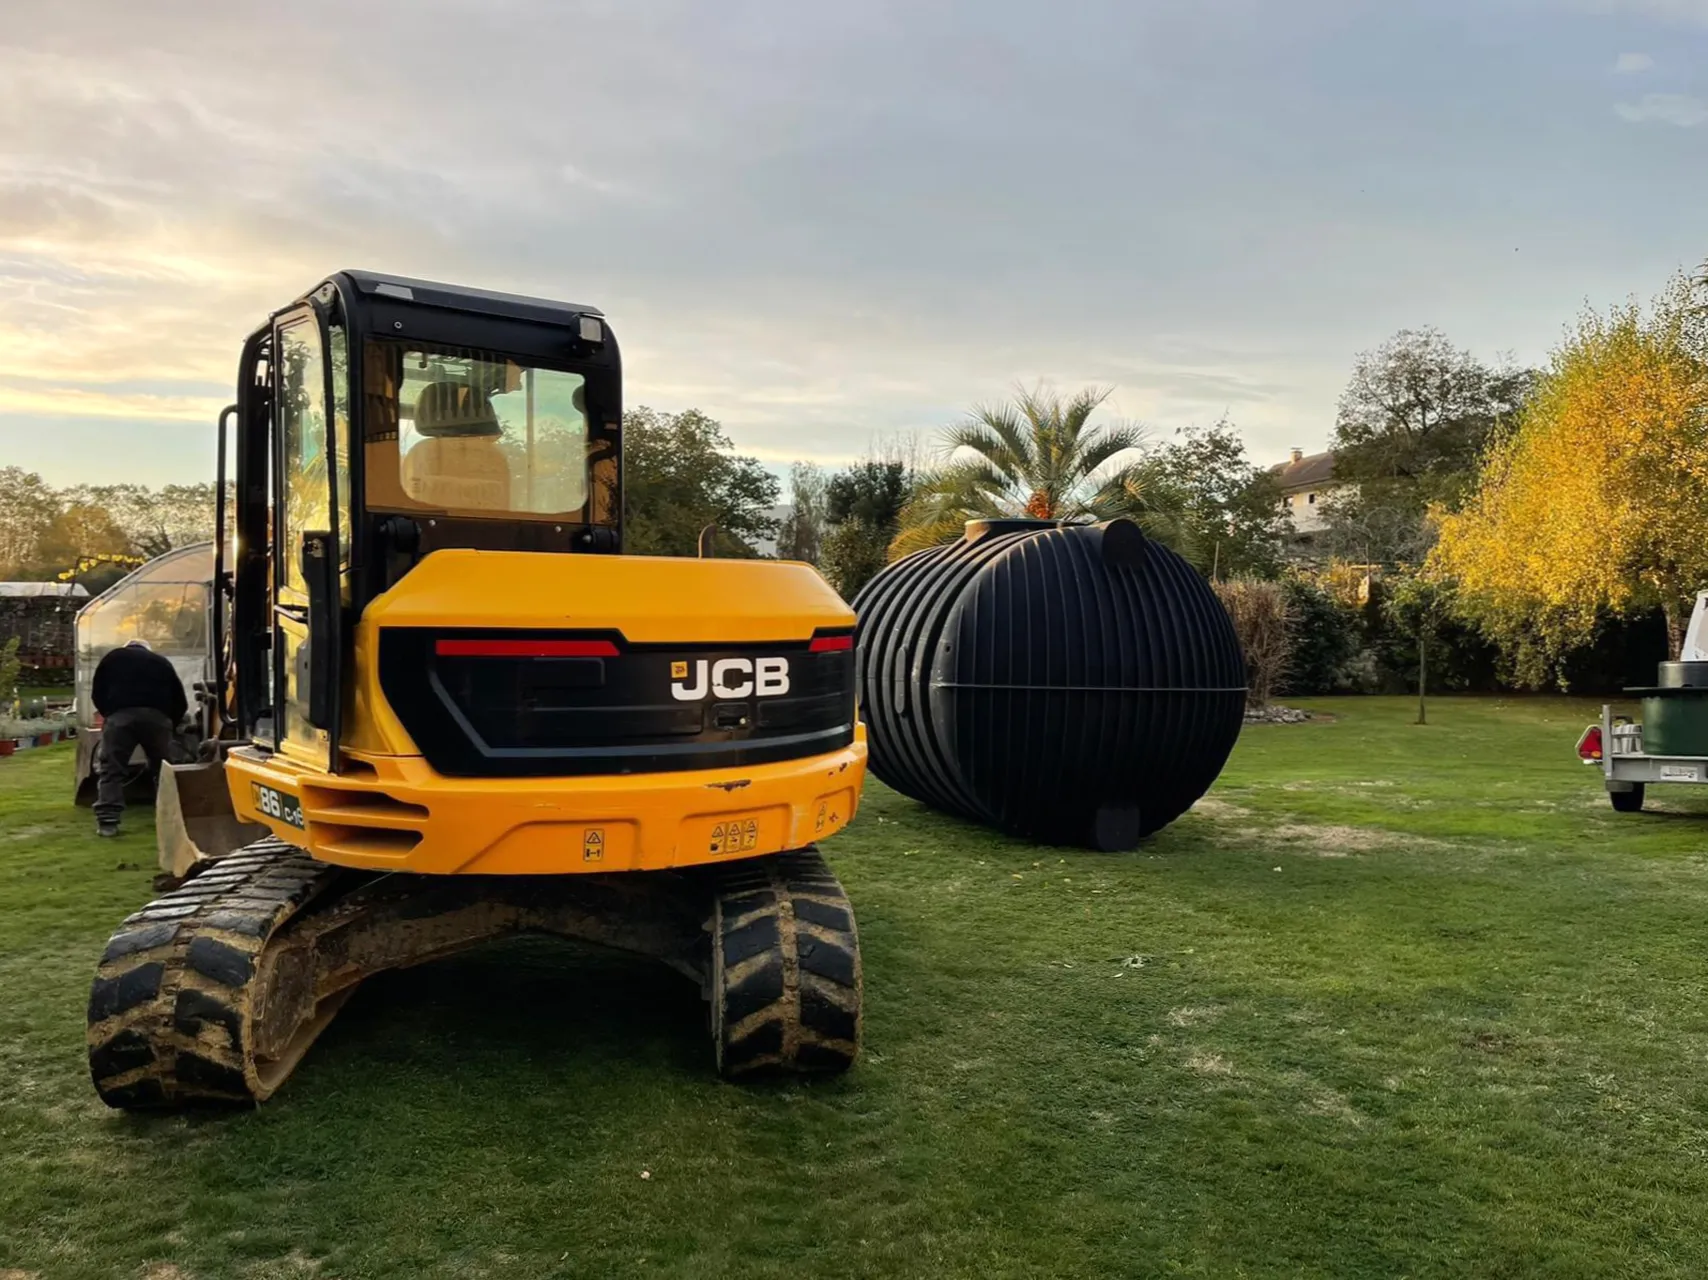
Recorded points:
730,678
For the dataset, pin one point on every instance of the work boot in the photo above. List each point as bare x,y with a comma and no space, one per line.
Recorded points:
107,827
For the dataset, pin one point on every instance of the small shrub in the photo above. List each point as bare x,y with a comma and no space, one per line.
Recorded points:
1363,674
1460,659
1326,640
29,727
854,551
1263,624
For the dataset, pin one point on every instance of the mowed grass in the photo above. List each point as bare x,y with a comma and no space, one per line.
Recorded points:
1393,1001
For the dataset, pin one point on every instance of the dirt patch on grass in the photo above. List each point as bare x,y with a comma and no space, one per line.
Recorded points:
1210,1064
1191,1016
1331,841
1339,788
1326,840
298,1263
1211,807
1331,1104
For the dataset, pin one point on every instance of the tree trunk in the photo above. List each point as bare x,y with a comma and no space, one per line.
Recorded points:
1677,619
1422,672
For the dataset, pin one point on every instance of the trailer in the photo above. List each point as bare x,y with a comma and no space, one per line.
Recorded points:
1670,742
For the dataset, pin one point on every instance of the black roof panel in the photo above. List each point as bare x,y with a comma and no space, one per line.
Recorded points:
462,298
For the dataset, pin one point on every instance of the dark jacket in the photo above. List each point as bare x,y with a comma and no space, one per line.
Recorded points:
131,677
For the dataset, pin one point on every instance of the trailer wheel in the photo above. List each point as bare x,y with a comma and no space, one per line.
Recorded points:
1628,801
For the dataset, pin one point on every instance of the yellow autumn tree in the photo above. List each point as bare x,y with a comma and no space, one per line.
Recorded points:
1597,503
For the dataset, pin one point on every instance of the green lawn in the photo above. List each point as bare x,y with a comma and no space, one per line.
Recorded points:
1393,1001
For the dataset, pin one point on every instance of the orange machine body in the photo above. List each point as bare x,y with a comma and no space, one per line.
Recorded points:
388,808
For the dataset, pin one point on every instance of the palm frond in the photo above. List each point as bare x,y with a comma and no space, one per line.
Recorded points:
1078,410
1004,422
1109,443
1045,473
976,475
1141,493
944,501
979,438
917,537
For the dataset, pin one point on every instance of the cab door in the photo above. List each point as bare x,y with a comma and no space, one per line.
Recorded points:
309,485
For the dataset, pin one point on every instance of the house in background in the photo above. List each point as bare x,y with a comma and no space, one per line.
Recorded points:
1305,481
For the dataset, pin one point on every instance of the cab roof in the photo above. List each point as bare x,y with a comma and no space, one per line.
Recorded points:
458,297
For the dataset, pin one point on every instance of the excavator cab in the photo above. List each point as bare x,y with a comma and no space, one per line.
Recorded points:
380,420
457,710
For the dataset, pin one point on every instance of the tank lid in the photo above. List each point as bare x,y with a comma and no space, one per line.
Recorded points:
979,530
1683,675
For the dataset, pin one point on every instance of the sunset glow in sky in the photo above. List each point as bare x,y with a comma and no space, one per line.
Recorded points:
823,223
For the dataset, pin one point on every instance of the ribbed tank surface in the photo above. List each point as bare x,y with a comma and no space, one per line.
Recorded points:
1073,684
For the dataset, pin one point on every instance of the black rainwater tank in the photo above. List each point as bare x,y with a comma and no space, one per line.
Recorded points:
1072,684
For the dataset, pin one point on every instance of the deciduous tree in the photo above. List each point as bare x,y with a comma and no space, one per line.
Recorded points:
28,505
1598,503
1415,605
863,507
800,535
1414,419
154,520
82,530
1227,503
680,474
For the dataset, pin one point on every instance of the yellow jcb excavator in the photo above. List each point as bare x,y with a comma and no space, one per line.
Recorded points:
457,711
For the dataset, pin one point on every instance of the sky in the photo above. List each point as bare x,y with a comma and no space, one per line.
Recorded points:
828,225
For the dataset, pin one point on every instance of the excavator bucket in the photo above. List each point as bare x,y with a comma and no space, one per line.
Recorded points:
193,818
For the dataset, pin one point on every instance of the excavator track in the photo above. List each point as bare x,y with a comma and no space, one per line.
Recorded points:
213,992
785,982
177,1013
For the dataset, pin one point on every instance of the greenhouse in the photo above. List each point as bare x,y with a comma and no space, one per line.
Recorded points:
165,603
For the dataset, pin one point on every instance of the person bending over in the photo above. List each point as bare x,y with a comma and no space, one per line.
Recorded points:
141,701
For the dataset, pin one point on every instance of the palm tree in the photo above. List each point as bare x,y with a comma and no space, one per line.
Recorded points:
1036,456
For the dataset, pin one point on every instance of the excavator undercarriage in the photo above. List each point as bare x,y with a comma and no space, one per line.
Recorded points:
215,990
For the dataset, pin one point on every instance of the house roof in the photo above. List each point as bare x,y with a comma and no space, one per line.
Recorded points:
1314,470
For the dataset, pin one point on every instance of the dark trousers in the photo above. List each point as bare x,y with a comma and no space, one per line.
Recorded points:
121,734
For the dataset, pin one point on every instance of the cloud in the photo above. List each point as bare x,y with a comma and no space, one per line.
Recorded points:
21,398
820,224
1665,108
1692,11
1630,63
1682,12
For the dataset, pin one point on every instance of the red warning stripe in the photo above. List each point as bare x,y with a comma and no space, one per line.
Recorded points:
830,644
